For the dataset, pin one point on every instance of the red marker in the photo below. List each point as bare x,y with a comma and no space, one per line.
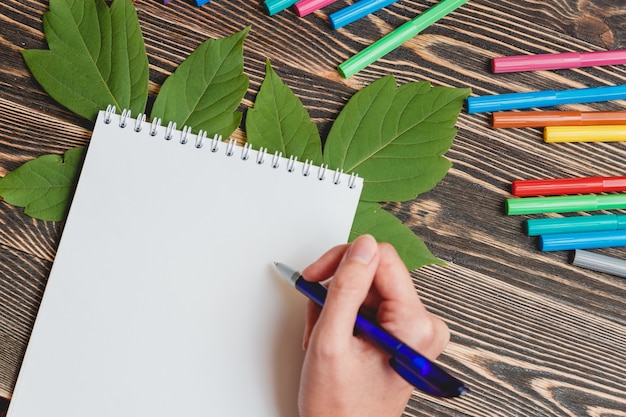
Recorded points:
560,186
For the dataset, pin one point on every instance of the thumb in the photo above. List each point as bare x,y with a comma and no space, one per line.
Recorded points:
349,288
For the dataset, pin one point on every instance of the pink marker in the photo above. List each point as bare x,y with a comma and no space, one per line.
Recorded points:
558,61
304,7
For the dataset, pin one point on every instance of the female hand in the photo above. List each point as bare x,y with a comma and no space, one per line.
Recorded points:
344,375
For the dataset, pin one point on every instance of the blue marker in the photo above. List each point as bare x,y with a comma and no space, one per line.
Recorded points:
356,11
410,365
201,2
584,240
544,98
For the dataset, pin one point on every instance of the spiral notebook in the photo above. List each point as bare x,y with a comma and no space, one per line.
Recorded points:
163,299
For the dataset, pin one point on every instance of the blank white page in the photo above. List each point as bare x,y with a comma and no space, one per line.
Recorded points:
163,299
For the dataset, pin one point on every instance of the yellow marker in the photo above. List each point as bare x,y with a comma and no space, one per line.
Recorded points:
609,133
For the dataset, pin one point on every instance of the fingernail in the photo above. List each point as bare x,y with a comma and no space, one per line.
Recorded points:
363,249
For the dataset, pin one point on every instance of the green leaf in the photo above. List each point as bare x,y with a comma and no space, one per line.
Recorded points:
279,121
394,137
206,89
44,185
371,218
97,57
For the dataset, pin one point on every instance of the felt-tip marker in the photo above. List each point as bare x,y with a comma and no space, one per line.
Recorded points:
545,98
614,133
509,119
564,60
356,11
575,224
409,364
305,7
275,6
558,186
582,240
565,203
600,263
397,37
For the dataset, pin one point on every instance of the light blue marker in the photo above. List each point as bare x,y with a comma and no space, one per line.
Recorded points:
546,98
356,11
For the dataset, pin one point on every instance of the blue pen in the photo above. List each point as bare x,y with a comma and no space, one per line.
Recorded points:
356,11
544,98
410,365
583,240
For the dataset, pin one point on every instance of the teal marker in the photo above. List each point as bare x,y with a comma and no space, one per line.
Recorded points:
576,224
565,204
396,38
275,6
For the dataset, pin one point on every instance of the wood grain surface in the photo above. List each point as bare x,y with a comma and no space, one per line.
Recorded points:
532,335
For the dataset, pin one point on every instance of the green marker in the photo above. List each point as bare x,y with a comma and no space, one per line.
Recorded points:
398,37
565,204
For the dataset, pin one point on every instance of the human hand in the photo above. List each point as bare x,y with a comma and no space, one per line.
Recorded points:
344,375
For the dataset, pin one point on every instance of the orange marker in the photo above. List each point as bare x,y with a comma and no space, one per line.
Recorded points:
557,118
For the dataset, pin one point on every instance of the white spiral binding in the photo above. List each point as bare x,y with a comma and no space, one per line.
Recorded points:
215,142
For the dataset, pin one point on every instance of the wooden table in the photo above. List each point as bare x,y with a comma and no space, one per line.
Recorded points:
532,335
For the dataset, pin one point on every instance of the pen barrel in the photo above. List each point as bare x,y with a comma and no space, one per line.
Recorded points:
313,290
376,335
586,240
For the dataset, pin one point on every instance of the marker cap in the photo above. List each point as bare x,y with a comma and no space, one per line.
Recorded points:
275,6
305,7
356,11
586,240
612,133
511,101
600,263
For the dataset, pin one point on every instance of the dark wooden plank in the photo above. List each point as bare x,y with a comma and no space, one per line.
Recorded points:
532,335
21,288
